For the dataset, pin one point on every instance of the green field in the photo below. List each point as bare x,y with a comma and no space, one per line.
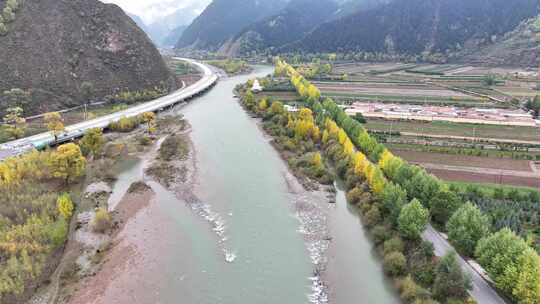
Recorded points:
457,129
489,189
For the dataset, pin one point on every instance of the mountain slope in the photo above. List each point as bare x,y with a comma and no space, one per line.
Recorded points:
294,22
416,26
173,36
169,25
138,20
520,47
290,24
53,46
223,19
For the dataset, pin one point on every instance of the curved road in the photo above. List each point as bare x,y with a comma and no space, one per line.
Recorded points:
208,79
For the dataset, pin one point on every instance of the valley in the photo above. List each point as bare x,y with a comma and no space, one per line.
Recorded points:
263,151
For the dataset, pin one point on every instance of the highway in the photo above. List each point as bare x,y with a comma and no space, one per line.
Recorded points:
482,292
209,78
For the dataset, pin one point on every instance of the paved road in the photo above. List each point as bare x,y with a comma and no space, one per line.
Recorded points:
208,79
482,292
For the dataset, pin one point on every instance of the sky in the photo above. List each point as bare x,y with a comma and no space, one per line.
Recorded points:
151,10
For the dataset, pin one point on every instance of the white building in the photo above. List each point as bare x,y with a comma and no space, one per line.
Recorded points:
256,87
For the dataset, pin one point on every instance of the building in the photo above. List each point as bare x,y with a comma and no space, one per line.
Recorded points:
256,87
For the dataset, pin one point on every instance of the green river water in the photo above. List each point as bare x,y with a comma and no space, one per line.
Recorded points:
246,211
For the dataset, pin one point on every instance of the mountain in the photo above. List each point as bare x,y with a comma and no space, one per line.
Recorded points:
520,47
53,46
223,19
167,30
290,24
138,20
170,25
172,38
416,26
294,22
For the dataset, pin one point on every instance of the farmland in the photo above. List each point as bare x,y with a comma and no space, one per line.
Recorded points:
457,129
457,142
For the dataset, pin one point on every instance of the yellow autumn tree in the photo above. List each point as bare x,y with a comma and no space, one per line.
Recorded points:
54,123
68,162
149,118
64,204
263,105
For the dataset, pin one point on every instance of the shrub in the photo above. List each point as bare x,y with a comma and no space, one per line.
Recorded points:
102,221
409,290
394,244
373,216
394,263
3,29
380,234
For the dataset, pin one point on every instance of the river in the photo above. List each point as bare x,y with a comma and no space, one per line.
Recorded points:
248,217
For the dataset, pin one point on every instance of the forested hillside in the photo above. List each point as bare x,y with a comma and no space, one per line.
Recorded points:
416,26
50,48
223,19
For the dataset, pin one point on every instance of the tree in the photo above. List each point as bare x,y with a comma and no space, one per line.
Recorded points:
277,108
527,281
54,123
413,219
16,124
498,252
249,100
489,80
450,281
394,263
92,142
87,91
443,205
393,199
149,118
263,105
466,227
68,162
64,204
360,118
534,106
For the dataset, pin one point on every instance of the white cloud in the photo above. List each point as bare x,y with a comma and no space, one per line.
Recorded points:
151,10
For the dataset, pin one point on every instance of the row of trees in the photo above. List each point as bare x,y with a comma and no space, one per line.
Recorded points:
396,225
467,226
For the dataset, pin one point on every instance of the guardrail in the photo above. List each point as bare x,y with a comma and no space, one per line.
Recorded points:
21,146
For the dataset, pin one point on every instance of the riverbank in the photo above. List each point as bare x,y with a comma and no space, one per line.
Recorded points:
91,258
330,225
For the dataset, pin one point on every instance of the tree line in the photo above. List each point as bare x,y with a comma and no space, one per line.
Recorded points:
410,196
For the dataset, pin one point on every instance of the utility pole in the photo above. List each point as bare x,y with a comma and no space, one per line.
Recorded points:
85,112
